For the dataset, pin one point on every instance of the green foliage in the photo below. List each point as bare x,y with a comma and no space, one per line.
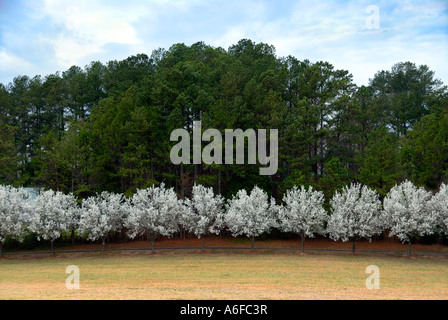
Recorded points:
425,151
107,127
407,93
8,155
380,163
335,177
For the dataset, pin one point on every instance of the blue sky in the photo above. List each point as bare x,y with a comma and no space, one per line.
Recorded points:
45,36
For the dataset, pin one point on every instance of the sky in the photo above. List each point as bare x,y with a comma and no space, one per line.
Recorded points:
41,37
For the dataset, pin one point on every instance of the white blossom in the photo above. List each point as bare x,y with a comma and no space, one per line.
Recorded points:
407,212
204,210
303,212
14,206
51,214
101,215
250,215
356,214
439,209
154,211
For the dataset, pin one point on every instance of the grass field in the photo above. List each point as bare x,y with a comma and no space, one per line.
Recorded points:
223,275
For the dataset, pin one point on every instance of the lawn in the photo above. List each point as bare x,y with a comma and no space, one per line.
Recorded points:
223,275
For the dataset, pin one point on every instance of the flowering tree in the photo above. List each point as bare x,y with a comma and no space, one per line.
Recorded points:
204,210
250,215
153,212
439,208
303,213
13,205
74,217
52,215
101,215
407,212
356,214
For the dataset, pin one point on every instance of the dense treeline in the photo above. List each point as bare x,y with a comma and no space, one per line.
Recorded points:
107,127
355,213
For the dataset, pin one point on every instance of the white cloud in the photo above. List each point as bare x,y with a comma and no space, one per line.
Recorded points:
84,27
11,64
336,32
64,33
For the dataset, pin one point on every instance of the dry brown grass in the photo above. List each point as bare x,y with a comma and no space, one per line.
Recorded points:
388,244
223,275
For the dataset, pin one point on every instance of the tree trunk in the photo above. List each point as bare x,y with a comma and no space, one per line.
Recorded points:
104,244
302,236
353,247
52,248
1,249
203,244
73,235
409,247
152,245
252,246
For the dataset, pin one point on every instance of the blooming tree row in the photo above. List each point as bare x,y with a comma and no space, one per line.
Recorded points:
356,212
